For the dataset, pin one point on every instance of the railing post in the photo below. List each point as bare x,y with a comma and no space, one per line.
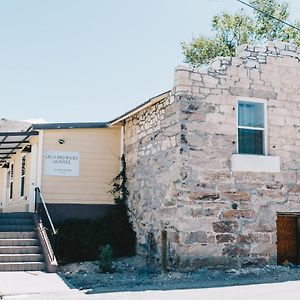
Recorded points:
53,244
35,199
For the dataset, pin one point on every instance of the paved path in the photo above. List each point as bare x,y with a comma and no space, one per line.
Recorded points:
51,287
32,283
275,291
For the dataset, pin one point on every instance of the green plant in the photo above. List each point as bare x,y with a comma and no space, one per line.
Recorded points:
121,226
80,239
234,29
106,259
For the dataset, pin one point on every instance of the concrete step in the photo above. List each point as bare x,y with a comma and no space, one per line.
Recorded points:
19,242
21,258
22,266
20,249
16,221
18,235
16,215
19,245
16,228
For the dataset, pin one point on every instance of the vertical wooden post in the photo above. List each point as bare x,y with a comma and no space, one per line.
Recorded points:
298,239
164,258
148,250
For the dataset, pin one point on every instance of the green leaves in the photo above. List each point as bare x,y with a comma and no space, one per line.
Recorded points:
200,51
232,30
106,259
267,28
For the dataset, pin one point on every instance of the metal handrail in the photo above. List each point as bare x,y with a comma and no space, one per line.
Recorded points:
49,243
38,192
45,242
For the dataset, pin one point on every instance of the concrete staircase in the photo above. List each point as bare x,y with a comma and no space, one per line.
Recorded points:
19,245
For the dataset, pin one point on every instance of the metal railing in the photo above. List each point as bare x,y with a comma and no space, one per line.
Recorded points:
46,227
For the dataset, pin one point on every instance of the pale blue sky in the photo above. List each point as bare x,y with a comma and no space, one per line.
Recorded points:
92,60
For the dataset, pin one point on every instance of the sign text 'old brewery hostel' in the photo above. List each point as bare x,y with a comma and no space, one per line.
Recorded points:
58,163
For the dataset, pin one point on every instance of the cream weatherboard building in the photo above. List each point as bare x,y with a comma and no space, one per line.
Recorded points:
73,164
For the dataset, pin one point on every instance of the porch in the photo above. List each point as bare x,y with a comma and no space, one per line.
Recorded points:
18,170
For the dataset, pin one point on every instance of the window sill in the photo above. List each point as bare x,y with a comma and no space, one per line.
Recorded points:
255,163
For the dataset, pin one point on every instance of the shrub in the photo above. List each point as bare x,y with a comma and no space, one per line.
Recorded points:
105,259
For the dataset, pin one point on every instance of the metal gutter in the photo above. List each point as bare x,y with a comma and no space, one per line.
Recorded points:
75,125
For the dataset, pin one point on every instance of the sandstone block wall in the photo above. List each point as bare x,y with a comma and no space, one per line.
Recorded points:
179,158
151,150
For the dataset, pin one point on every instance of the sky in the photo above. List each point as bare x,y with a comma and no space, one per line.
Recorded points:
93,60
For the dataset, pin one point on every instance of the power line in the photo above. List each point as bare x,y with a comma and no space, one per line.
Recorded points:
268,15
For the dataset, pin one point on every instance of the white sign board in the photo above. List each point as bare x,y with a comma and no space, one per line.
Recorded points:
59,163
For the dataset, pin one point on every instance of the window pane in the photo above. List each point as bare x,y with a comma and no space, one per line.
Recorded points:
11,172
251,114
251,141
23,166
11,190
22,186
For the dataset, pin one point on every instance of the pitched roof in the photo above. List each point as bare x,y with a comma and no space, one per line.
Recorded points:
13,126
142,106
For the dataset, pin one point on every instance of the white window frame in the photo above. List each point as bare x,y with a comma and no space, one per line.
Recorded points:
265,129
21,176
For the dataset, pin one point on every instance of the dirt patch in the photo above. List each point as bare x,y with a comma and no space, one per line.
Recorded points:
134,274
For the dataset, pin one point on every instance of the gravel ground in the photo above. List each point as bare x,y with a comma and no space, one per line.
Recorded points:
133,274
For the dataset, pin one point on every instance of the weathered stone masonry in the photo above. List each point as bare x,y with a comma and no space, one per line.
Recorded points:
151,149
179,160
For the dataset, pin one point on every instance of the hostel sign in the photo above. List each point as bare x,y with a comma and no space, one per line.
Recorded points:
58,163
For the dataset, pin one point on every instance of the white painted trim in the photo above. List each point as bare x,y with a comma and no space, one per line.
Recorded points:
4,203
122,140
40,158
265,136
255,163
252,99
121,145
33,176
11,180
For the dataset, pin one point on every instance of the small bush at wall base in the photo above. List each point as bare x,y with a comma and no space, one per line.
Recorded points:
105,259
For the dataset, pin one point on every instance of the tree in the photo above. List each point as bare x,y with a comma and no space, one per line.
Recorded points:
232,30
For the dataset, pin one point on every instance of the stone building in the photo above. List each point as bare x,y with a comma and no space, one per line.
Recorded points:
216,161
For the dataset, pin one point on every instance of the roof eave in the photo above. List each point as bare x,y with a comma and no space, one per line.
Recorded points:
75,125
144,105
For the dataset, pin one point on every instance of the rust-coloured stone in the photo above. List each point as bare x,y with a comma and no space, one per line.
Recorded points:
237,214
203,196
254,238
237,196
224,238
225,226
295,188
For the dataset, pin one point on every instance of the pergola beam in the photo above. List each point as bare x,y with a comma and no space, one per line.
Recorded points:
21,133
15,144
